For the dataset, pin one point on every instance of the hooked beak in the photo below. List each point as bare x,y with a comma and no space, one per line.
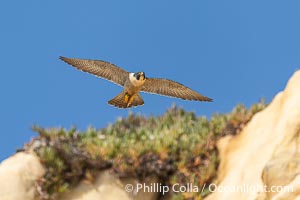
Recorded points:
142,74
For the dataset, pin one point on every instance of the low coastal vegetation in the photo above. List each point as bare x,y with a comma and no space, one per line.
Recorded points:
177,147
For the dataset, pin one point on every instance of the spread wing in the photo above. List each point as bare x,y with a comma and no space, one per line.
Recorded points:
99,68
171,88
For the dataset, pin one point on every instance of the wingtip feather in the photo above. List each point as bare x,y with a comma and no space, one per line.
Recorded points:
61,57
209,99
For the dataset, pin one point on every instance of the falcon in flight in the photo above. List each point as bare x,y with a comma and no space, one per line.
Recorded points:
133,83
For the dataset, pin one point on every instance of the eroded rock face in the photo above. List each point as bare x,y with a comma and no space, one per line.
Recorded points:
18,175
109,187
266,153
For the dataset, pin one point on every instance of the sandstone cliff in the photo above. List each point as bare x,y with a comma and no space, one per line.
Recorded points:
18,176
266,153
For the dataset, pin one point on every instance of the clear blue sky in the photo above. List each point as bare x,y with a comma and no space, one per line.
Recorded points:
231,51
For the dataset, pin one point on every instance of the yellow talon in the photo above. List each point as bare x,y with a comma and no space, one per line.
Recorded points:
126,98
130,101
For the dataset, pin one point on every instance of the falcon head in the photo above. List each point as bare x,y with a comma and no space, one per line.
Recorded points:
137,79
140,76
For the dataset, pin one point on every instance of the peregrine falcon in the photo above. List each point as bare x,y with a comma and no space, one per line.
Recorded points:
133,83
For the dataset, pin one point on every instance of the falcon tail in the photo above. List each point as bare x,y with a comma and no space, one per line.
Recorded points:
120,101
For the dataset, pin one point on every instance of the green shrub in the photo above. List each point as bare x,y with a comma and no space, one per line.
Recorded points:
177,147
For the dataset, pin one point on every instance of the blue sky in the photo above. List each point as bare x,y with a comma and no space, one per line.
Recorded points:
231,51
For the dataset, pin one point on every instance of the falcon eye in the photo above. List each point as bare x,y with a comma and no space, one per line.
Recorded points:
137,76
